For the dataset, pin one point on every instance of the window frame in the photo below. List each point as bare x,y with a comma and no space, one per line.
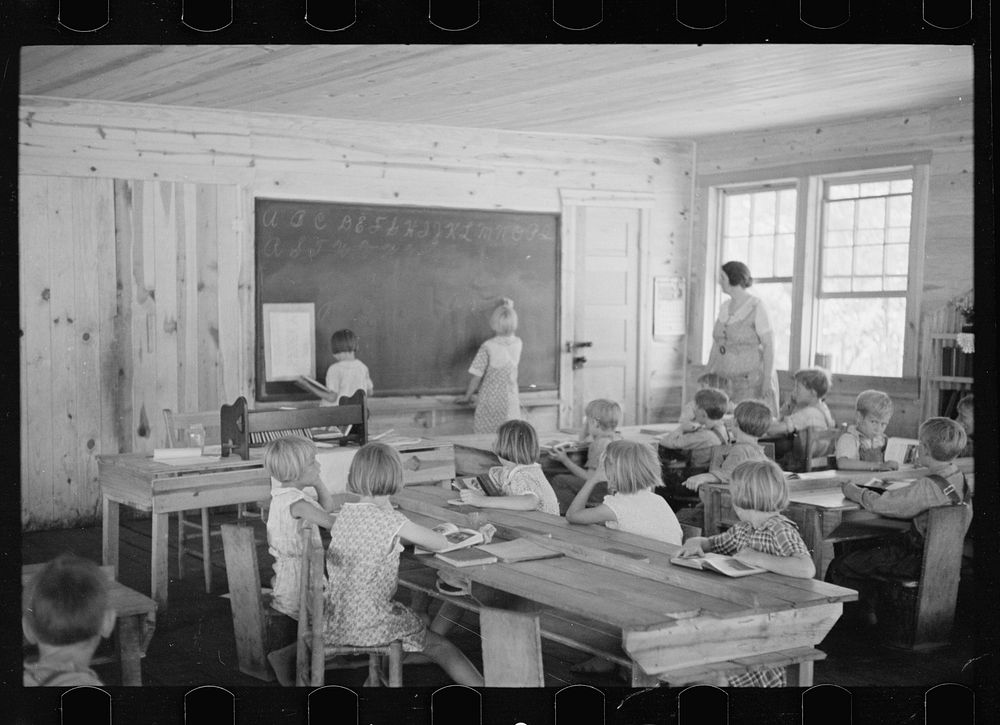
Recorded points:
809,181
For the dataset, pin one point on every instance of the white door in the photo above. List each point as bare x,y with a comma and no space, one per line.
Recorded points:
606,309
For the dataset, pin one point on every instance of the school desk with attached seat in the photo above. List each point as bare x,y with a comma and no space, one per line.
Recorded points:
662,616
819,509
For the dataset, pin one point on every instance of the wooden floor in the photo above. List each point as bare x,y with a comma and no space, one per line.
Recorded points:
194,644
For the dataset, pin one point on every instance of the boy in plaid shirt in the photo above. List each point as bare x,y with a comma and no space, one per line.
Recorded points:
762,538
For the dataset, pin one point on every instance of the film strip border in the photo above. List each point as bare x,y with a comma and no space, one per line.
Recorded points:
947,704
331,16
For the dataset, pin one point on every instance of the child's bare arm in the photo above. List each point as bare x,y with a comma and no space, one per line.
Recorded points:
695,546
305,510
423,537
800,566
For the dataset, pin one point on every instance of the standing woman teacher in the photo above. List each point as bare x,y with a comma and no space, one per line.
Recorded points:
743,344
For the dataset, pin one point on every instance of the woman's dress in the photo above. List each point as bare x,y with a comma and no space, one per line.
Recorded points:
738,352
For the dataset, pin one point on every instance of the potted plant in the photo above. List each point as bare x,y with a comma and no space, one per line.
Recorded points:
966,309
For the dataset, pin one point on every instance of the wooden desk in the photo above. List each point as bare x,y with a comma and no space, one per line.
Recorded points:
141,483
669,617
820,510
133,630
138,481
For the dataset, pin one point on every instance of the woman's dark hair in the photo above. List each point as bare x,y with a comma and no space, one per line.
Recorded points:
738,274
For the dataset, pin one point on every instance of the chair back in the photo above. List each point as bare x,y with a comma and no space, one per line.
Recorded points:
944,541
310,658
178,424
813,448
249,614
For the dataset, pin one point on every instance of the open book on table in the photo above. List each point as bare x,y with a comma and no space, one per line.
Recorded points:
902,450
718,563
481,484
458,538
880,486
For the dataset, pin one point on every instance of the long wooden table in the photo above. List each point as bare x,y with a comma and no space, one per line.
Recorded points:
136,622
669,617
161,488
820,510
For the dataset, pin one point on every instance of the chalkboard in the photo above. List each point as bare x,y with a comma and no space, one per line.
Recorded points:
417,285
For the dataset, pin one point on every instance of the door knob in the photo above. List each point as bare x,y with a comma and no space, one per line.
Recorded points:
578,362
574,346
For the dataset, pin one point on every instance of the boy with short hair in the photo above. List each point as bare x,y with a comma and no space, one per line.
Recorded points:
686,421
710,406
941,440
67,615
752,420
966,419
600,427
806,407
862,446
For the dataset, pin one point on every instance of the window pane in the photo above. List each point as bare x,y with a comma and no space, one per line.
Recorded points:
737,214
839,239
763,220
895,284
871,214
898,235
836,284
840,215
863,336
735,248
868,261
874,188
762,256
899,211
866,284
901,186
786,210
777,299
836,262
897,258
842,191
784,255
869,236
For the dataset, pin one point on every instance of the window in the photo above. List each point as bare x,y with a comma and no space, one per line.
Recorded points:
833,258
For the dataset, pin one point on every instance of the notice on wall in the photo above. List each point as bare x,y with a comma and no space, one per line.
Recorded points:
289,340
669,314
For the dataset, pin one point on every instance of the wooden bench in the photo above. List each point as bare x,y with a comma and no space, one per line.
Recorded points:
919,614
798,662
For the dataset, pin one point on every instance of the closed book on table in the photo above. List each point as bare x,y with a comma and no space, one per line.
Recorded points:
466,557
518,550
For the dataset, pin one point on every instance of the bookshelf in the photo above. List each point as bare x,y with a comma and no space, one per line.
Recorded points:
946,360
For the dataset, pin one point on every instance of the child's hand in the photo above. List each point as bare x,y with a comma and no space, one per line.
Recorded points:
559,452
695,481
889,466
691,548
851,491
488,531
689,426
470,497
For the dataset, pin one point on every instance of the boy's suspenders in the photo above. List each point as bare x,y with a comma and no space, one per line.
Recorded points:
948,490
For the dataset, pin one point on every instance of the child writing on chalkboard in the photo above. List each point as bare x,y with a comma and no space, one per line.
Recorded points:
347,374
519,478
494,373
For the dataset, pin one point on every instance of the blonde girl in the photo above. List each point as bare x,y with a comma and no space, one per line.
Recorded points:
363,567
633,471
494,372
763,537
519,477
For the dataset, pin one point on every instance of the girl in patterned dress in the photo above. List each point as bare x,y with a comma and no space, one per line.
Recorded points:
297,493
763,538
362,564
494,373
520,476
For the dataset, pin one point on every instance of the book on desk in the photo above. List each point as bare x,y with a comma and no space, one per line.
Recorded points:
727,565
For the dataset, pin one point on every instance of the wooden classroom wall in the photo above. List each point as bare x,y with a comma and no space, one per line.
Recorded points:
136,263
947,133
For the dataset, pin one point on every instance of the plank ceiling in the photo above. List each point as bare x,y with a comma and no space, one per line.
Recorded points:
656,91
